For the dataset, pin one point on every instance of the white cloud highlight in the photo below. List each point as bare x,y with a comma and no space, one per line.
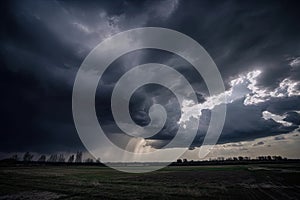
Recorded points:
245,85
277,118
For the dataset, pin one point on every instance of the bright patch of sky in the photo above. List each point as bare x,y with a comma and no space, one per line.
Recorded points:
277,118
244,86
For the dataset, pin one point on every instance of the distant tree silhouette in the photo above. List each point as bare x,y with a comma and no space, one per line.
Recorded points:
53,158
185,160
269,158
277,157
42,158
15,157
261,158
179,161
71,159
220,158
27,157
78,157
89,160
61,158
247,158
98,160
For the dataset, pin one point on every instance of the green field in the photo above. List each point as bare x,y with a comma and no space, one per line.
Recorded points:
268,181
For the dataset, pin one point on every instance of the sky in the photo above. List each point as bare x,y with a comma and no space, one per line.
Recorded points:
255,45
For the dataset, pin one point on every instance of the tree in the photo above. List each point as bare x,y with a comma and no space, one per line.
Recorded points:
247,158
61,158
78,157
27,157
53,158
277,158
179,161
15,157
98,160
42,158
89,160
71,159
220,158
269,158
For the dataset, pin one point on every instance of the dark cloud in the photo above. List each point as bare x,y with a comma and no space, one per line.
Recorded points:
293,117
43,44
282,105
279,138
246,123
259,143
234,145
245,35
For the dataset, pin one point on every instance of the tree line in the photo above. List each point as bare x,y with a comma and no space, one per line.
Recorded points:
78,158
61,158
239,158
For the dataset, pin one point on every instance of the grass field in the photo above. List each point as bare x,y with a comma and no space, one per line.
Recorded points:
268,181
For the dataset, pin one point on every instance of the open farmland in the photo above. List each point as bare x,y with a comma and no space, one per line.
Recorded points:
265,181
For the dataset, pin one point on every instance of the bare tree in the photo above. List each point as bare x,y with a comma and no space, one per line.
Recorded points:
78,157
53,158
220,158
15,157
61,158
89,160
27,157
71,159
42,158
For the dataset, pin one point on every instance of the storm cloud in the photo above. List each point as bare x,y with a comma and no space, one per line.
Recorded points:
256,46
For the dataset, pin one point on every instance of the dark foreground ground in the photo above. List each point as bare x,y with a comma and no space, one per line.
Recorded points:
264,181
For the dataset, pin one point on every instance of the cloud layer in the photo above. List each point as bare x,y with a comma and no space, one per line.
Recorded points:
256,46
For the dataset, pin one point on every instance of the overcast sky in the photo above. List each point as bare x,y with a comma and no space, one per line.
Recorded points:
255,44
